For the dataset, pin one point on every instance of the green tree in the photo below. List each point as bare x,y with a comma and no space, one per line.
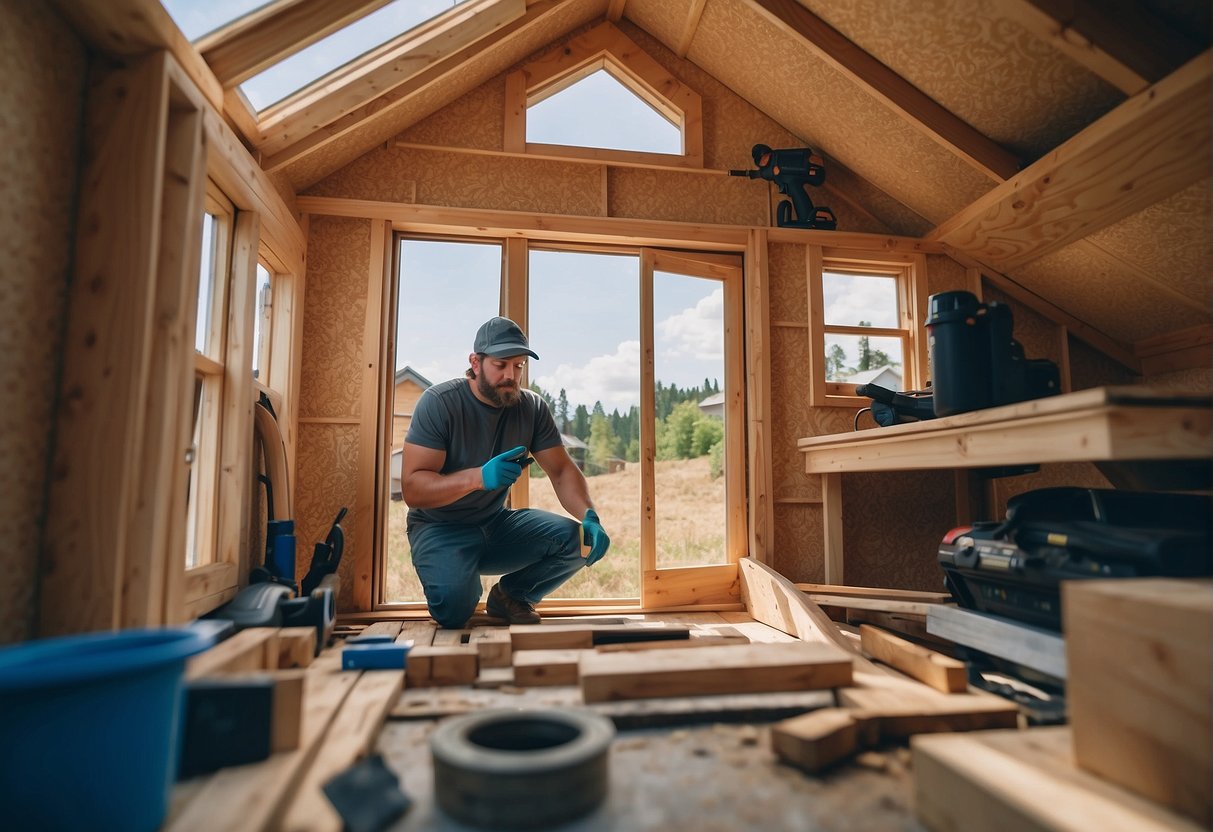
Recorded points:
678,436
706,433
581,422
562,411
604,444
836,361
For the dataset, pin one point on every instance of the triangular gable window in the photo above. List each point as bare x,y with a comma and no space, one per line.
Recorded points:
600,111
601,97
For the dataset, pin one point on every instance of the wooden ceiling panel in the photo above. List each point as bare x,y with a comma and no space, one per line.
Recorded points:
400,115
462,123
1108,294
1170,241
663,19
984,68
783,79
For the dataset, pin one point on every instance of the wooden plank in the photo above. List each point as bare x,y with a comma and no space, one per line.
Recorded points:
390,629
743,668
878,604
1024,644
286,725
1142,152
440,666
832,532
296,646
773,600
909,595
129,28
382,69
352,736
585,636
1022,780
1139,688
943,673
706,585
254,797
257,41
538,15
816,740
914,626
903,98
761,488
699,641
1187,349
493,646
546,668
689,27
253,649
615,10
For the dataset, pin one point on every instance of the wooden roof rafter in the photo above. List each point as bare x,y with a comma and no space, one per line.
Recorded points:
916,107
383,69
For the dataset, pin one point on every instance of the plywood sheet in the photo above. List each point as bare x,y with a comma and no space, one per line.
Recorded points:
984,68
1091,368
39,149
664,19
799,542
830,112
684,197
327,479
787,272
945,275
1037,334
472,120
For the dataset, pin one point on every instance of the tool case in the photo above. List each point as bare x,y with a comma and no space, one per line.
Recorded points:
1014,568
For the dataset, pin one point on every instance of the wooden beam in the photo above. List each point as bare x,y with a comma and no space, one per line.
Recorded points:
1145,150
615,10
536,15
255,42
1187,349
941,672
761,487
689,27
903,98
384,69
132,28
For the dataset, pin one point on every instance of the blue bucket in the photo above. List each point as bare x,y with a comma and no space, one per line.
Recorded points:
89,726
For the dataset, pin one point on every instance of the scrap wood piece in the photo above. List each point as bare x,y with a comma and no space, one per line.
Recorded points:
546,668
816,740
296,647
351,736
719,631
248,650
253,797
742,708
383,628
910,626
941,672
420,633
436,666
585,636
738,668
911,595
996,780
700,641
493,646
888,706
847,602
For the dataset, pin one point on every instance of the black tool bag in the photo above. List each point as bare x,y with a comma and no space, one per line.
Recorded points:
1014,568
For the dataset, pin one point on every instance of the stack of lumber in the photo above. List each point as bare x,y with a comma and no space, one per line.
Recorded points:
1137,754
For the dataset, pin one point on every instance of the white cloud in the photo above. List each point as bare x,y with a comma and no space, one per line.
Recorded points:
696,332
849,300
612,379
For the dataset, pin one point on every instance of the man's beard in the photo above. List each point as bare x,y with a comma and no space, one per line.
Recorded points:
506,395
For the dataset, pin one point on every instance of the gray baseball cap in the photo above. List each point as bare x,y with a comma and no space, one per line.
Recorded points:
501,338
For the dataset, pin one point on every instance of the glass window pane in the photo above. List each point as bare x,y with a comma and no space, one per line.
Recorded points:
447,290
688,363
858,359
599,111
206,284
193,555
585,323
261,319
860,300
341,47
196,18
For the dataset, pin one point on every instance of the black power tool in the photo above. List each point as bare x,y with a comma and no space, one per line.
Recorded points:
793,170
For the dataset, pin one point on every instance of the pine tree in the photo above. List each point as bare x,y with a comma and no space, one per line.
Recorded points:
581,422
562,411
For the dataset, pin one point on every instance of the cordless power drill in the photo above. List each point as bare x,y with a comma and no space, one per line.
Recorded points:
793,171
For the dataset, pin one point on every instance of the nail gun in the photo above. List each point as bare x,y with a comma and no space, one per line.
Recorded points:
793,170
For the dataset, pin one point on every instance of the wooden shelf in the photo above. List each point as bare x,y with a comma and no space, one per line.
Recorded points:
1100,424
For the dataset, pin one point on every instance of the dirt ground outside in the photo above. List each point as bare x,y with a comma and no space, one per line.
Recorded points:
690,529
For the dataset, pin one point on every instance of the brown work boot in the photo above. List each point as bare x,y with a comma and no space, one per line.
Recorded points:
500,605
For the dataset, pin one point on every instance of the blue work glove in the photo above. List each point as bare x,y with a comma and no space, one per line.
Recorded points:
503,469
594,536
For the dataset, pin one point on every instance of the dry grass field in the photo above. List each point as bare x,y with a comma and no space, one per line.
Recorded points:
690,529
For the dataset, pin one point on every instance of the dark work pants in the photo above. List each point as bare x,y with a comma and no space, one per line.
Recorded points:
534,551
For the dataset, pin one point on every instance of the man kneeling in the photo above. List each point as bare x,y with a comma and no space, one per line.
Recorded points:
468,442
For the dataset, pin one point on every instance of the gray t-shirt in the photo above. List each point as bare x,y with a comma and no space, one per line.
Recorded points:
450,418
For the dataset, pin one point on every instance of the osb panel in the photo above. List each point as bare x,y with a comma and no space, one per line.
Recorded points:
844,188
1077,474
799,543
39,147
790,413
663,19
892,525
788,281
476,119
993,74
684,197
1171,241
1194,380
830,112
394,118
1091,368
945,275
384,174
1039,336
467,181
327,479
338,264
1104,292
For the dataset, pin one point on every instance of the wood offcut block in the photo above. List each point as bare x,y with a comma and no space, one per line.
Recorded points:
941,672
546,668
737,668
994,781
585,636
296,646
816,740
1140,686
247,651
492,646
440,666
888,705
287,720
